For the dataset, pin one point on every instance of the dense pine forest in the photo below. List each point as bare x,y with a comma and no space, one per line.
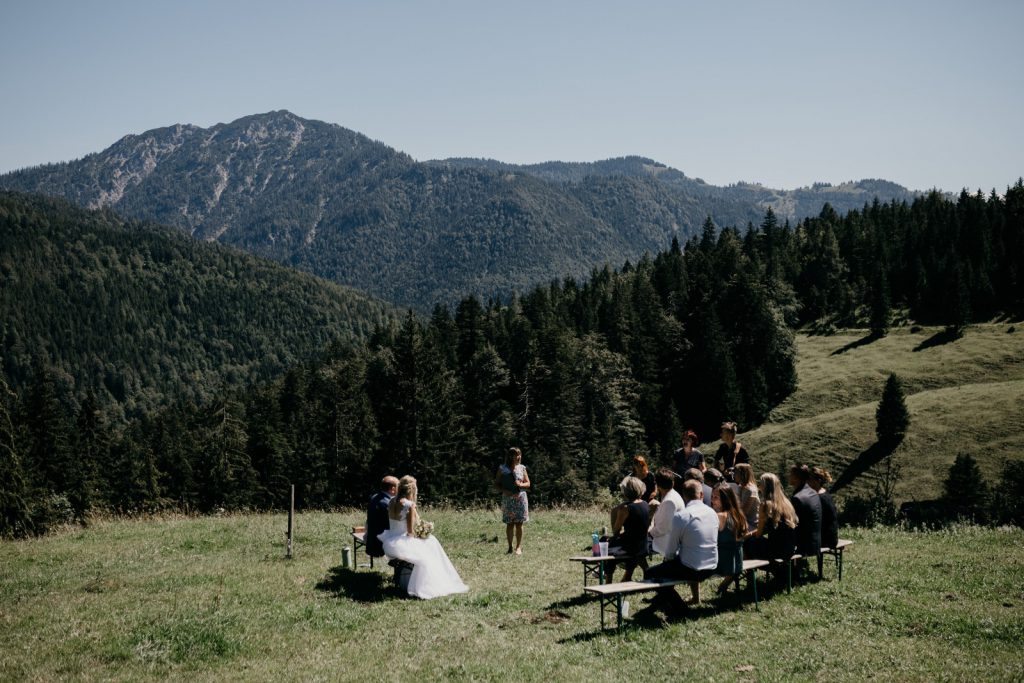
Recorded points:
581,373
135,314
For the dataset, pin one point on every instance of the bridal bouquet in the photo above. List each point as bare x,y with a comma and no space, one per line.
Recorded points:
423,528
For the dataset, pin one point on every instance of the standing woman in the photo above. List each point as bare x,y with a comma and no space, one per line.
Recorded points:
642,472
689,456
731,452
513,482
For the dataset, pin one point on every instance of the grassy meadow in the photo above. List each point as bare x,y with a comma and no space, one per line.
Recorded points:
213,599
964,396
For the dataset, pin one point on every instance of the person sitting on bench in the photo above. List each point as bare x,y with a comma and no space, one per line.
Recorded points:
694,537
629,528
661,522
377,516
775,536
820,478
807,506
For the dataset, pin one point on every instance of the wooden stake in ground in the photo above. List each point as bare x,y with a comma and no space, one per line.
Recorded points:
291,516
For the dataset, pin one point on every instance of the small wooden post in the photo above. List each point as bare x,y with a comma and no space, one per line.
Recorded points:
291,516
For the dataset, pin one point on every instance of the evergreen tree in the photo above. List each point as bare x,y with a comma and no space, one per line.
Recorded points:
15,494
892,417
965,491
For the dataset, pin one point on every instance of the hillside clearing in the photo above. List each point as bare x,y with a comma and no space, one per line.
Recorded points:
213,599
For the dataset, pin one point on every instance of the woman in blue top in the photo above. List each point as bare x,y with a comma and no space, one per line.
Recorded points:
732,529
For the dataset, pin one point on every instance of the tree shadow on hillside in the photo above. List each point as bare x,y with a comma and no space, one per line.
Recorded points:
944,336
863,341
867,459
365,586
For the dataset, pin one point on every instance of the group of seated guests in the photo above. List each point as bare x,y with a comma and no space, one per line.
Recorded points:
704,525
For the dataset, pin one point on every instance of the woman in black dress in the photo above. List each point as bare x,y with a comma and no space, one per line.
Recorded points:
629,528
775,537
642,472
731,452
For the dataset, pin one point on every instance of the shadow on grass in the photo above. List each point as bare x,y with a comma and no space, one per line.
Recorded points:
863,341
874,454
365,586
576,601
651,618
949,334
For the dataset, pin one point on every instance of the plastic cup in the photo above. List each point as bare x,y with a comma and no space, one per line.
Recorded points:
604,548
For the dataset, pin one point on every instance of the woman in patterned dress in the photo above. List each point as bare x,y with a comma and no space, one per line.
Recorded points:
513,481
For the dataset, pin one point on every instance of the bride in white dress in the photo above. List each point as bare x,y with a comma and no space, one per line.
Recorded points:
433,574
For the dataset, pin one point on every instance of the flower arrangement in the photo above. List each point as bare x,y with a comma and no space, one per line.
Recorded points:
423,528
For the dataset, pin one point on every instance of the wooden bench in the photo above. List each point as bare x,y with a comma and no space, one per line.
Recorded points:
750,568
611,594
790,563
359,541
837,553
593,565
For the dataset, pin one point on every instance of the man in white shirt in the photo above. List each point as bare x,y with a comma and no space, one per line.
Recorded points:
691,547
661,524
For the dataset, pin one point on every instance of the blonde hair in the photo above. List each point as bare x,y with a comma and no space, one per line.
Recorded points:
744,474
775,506
406,489
822,475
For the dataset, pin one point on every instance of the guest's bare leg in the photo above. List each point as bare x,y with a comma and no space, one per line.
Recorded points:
519,539
508,534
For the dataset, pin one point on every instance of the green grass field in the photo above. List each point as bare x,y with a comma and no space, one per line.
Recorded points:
964,396
213,599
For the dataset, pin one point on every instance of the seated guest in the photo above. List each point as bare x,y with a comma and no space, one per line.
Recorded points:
629,528
661,522
732,529
819,479
688,456
696,475
642,472
377,521
775,536
807,505
731,452
750,501
693,548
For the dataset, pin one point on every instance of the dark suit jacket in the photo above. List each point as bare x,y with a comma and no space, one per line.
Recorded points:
377,522
808,530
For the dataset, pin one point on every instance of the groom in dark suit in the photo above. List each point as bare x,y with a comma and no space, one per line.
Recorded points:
807,505
377,515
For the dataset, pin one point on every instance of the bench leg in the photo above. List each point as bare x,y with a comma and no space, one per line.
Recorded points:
355,557
752,580
839,561
821,565
789,576
618,612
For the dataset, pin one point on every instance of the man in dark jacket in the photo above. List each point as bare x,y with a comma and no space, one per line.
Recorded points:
377,516
808,510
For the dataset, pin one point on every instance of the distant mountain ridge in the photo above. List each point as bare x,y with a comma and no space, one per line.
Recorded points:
331,201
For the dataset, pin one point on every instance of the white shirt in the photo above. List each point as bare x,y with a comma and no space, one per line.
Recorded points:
694,536
661,525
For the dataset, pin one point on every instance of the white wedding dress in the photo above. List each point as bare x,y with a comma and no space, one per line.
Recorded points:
433,574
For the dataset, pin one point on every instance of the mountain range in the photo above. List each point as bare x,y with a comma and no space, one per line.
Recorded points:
335,203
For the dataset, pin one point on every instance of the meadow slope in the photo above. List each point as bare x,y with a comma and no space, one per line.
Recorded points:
964,396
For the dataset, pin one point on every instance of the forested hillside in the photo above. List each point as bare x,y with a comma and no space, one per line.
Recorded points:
333,202
581,373
138,315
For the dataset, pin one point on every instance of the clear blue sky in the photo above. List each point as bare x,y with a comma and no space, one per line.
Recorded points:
929,94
